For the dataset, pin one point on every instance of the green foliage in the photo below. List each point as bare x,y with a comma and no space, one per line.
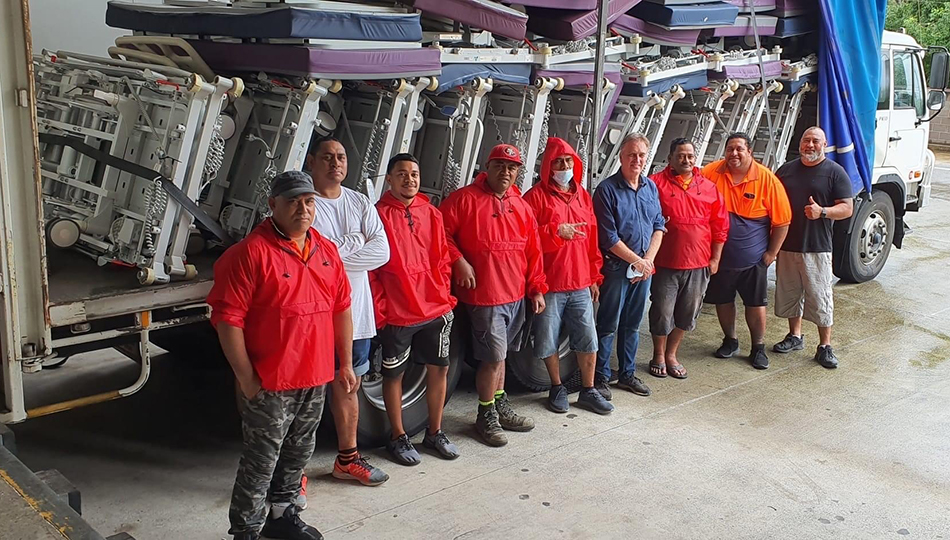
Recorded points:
928,21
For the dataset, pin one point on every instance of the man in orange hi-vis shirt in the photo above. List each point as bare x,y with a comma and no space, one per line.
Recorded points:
759,216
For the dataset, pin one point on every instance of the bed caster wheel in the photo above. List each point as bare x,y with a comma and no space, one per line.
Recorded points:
190,271
433,84
146,276
559,85
237,88
336,86
196,82
400,85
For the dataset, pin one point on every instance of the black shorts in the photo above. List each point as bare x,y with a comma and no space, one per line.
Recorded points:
427,343
751,283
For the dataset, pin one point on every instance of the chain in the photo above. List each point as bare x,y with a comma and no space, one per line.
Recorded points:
546,124
452,173
215,157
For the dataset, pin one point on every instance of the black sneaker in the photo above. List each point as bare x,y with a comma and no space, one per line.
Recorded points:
729,347
247,536
602,385
826,357
289,527
403,452
789,344
591,400
634,384
758,357
557,399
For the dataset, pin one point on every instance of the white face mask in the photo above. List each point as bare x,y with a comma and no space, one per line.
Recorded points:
563,177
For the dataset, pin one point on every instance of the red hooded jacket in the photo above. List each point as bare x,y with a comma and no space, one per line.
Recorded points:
499,238
696,218
568,264
284,303
415,285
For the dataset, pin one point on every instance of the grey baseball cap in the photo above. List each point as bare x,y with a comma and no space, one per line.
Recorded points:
290,184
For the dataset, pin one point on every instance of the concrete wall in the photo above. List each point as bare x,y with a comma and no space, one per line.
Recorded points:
74,25
940,127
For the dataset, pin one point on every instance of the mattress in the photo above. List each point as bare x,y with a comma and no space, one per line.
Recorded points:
795,26
793,8
748,72
792,87
743,27
573,25
688,81
681,2
745,6
627,25
576,5
278,22
686,16
583,78
458,74
483,14
324,63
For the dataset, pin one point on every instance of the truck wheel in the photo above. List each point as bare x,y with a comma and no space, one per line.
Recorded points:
869,244
373,429
530,371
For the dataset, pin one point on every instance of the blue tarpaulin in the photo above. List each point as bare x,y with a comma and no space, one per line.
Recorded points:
849,77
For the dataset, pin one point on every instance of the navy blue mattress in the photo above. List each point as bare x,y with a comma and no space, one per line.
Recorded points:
686,16
791,87
265,23
458,74
688,81
795,26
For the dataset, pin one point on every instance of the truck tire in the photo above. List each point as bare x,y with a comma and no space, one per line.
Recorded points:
864,252
530,371
374,429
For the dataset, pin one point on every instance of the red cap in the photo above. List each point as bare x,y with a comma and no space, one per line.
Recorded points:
506,152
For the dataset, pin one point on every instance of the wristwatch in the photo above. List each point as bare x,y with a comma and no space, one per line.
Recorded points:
824,212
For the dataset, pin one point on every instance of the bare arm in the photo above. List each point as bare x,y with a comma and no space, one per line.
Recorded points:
343,345
715,257
232,342
843,209
625,253
655,242
776,238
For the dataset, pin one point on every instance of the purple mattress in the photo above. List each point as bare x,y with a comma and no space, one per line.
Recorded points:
748,72
576,5
792,8
627,25
484,14
746,5
583,78
573,25
743,27
326,63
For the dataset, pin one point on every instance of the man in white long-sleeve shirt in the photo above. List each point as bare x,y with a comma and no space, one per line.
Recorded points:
349,220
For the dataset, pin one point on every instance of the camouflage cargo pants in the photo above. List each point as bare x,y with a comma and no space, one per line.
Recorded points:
279,435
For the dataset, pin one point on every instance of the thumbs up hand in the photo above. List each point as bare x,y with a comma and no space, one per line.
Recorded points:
812,209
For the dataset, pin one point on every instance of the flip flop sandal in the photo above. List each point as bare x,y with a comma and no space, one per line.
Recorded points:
658,370
677,371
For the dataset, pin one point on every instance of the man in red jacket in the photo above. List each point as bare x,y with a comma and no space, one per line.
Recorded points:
696,228
572,264
413,296
496,263
280,303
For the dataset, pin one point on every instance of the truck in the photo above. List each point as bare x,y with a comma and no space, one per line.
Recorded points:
124,174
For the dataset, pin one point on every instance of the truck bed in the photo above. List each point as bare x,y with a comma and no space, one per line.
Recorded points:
80,290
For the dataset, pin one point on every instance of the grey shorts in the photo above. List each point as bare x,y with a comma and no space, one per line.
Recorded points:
676,297
803,284
496,330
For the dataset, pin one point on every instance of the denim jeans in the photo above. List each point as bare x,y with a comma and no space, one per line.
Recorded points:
621,309
572,310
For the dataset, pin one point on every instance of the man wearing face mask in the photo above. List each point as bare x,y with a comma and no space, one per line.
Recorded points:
759,215
803,277
696,229
496,264
572,263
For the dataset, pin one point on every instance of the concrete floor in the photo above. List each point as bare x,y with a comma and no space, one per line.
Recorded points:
793,452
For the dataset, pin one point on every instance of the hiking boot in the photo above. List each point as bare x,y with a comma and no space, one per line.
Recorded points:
403,452
758,357
488,428
359,470
441,444
729,347
301,500
557,399
602,385
826,357
289,527
789,344
509,419
634,384
591,400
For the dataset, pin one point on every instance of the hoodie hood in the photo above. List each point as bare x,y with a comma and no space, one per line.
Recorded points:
556,148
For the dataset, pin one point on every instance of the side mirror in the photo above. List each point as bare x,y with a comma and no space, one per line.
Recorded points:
936,100
939,69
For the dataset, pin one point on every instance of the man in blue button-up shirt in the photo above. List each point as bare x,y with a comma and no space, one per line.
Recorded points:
630,224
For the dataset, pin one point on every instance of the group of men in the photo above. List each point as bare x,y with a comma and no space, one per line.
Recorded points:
329,268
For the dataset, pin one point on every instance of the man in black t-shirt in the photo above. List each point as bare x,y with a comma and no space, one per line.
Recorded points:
819,191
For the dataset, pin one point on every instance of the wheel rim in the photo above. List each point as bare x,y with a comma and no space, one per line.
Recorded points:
413,387
874,235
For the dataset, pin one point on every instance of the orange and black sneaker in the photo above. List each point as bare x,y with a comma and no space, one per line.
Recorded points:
360,470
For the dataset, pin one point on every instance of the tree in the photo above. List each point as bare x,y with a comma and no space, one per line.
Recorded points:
927,21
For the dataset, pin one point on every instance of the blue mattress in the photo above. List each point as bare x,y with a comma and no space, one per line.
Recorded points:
458,74
265,23
688,81
686,16
795,26
791,87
